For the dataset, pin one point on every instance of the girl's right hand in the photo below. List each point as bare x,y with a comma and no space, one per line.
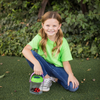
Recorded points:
28,54
38,69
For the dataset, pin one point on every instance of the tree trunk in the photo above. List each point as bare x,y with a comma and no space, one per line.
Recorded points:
84,10
42,9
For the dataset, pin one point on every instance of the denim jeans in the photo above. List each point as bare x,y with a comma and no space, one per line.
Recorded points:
52,70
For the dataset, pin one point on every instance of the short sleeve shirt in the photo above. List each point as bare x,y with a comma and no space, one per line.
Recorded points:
64,55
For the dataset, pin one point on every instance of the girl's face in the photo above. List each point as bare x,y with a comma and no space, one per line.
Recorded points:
51,27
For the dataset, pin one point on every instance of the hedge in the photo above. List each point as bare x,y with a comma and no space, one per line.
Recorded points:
19,24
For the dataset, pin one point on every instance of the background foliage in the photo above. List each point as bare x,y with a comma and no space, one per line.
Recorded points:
19,24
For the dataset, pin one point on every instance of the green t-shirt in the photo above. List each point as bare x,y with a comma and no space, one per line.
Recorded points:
64,55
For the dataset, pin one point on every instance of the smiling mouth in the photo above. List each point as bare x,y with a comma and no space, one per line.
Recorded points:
51,31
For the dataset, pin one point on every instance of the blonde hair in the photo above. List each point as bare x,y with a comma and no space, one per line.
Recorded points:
59,35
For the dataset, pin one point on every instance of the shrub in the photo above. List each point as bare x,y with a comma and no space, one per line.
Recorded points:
18,25
12,43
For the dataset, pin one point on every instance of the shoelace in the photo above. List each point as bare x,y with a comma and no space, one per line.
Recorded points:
49,81
53,79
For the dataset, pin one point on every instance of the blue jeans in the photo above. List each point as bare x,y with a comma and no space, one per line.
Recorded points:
52,70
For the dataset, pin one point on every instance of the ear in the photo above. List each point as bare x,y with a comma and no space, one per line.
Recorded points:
59,26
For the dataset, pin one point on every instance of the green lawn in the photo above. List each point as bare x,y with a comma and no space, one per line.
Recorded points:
15,84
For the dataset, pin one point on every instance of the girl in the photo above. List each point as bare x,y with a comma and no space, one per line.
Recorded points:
52,59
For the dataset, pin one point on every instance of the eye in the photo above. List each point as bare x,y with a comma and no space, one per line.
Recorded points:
54,25
47,25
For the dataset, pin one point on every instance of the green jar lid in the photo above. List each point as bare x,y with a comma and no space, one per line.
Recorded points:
37,79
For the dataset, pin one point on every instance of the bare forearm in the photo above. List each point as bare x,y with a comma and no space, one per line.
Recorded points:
67,68
71,77
28,55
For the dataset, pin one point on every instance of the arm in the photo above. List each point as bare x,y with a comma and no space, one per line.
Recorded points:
71,77
28,55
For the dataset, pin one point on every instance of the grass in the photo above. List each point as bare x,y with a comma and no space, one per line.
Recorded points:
15,84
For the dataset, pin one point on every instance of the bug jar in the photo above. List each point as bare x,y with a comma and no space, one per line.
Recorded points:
35,84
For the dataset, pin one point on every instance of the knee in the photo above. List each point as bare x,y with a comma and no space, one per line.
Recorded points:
34,53
71,88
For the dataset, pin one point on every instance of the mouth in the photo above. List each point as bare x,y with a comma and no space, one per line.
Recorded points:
50,31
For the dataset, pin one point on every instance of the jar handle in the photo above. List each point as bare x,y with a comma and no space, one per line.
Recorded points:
33,74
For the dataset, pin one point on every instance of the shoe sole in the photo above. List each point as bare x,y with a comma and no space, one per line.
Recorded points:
45,90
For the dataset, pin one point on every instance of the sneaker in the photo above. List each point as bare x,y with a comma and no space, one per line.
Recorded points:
53,79
45,86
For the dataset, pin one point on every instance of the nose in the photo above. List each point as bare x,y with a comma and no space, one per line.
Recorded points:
50,27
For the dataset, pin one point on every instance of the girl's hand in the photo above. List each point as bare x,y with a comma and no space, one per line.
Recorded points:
28,54
74,81
38,69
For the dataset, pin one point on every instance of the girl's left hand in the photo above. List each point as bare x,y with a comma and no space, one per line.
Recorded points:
74,81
